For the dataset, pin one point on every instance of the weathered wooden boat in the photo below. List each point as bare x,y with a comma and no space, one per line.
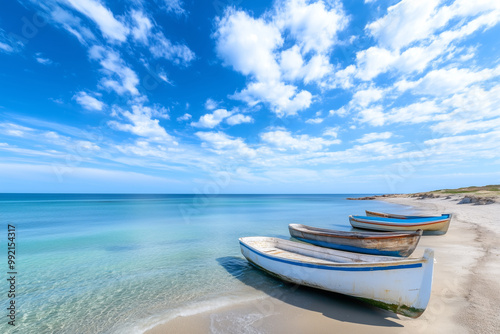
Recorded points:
401,285
377,243
392,215
430,225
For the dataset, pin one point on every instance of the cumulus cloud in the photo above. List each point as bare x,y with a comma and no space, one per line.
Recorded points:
410,36
247,44
331,132
255,48
141,122
210,104
314,25
239,119
212,120
285,99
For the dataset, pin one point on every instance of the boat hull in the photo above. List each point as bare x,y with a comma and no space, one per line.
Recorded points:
430,225
389,244
402,286
392,215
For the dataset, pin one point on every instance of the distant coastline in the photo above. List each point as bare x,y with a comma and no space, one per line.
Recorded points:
468,195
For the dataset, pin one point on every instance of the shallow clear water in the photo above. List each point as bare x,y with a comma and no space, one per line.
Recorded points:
120,263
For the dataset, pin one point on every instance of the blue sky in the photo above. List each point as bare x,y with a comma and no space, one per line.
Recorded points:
236,96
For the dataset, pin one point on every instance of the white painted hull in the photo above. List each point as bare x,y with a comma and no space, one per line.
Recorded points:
402,286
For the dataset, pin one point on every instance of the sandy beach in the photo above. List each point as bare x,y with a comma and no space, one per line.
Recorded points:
465,293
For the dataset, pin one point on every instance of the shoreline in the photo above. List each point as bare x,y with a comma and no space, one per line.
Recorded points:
465,296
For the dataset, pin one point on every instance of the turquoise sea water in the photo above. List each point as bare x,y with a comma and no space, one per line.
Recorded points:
121,263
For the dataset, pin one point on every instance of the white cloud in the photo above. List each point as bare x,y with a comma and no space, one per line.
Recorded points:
88,102
142,123
484,145
475,102
291,63
284,140
42,60
417,26
222,143
175,6
15,130
418,112
238,119
316,120
373,116
293,66
163,76
72,24
474,109
116,68
247,44
365,97
442,82
8,44
373,61
374,136
142,26
409,21
161,47
212,120
103,17
285,98
6,47
340,78
331,132
457,124
253,47
313,25
210,104
184,117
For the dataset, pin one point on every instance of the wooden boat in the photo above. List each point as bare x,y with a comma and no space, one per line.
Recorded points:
377,243
399,285
391,215
430,225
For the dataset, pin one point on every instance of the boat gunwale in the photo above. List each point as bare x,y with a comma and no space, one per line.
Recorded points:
355,234
395,263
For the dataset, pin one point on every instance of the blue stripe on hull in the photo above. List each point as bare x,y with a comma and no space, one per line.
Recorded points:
415,221
310,265
350,248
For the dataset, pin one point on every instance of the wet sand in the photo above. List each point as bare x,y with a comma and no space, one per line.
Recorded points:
465,293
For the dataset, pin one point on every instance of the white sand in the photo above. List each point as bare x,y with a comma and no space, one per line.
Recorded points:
465,294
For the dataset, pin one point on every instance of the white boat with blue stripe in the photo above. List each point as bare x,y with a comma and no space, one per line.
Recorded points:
401,285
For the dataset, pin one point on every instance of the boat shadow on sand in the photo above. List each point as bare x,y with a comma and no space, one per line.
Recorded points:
332,305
